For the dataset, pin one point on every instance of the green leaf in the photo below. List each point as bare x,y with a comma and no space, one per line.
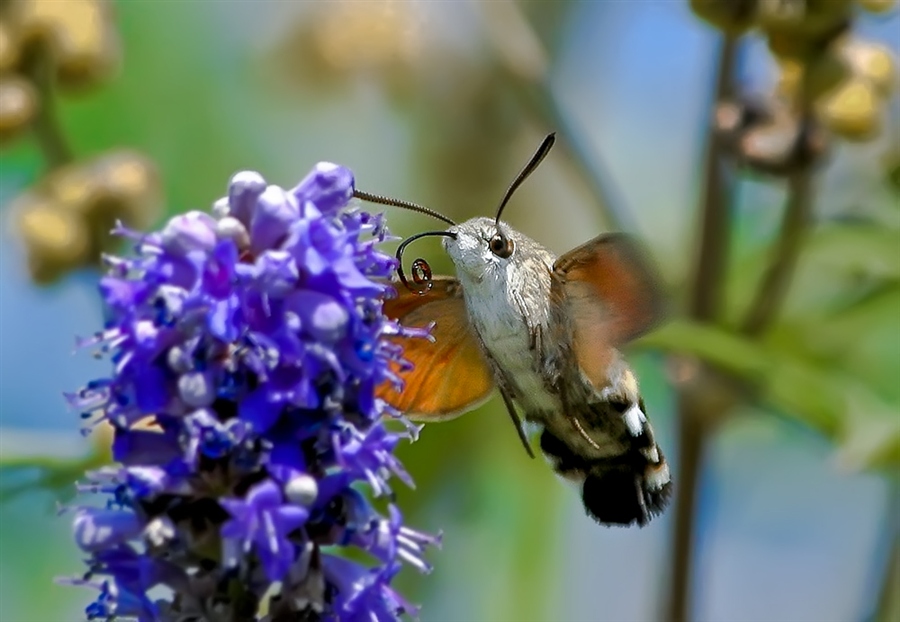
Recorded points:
858,248
714,345
784,382
871,434
837,261
865,426
862,340
54,475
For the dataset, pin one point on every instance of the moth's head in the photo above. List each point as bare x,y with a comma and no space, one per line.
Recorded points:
479,247
482,247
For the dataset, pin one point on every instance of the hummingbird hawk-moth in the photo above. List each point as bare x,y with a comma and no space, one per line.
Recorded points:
545,331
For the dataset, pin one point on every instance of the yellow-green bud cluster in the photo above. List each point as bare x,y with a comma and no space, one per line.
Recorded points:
844,80
78,35
64,221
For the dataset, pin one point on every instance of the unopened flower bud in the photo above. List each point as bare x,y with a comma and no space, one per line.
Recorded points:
194,231
243,191
731,16
131,178
9,48
56,241
852,110
813,21
874,63
329,186
275,212
321,316
75,186
220,208
302,490
80,33
178,360
229,228
196,389
159,531
877,6
18,106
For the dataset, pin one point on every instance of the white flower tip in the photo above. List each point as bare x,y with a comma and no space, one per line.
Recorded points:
302,490
221,208
247,179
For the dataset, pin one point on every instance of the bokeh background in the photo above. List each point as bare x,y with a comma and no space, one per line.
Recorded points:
797,509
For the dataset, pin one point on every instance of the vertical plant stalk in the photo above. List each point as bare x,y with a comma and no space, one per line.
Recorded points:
773,288
46,127
704,304
776,281
715,223
707,295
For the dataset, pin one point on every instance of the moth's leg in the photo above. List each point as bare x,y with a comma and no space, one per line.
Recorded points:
517,422
573,418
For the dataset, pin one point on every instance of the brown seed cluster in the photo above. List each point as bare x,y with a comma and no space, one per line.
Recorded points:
830,82
80,38
64,221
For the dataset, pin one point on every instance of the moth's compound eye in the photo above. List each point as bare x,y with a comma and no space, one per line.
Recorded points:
501,246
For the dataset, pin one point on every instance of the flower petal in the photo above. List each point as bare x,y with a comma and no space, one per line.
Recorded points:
96,529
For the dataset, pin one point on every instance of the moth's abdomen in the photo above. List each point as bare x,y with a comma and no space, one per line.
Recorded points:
628,488
623,494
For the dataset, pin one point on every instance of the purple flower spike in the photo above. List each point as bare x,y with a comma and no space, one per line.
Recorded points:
247,345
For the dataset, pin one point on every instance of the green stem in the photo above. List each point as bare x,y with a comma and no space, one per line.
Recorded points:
704,305
715,220
46,126
55,474
776,281
773,288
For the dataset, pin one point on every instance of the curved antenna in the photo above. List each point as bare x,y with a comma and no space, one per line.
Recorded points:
536,159
413,207
421,271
